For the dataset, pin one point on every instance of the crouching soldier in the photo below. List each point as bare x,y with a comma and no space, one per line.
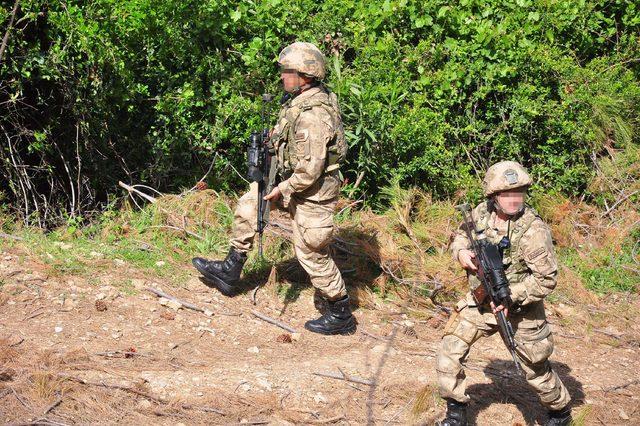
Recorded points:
309,146
530,267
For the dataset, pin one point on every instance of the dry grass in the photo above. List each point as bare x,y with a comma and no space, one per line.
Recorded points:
403,251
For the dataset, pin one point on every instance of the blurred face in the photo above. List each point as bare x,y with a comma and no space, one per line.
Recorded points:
511,202
291,80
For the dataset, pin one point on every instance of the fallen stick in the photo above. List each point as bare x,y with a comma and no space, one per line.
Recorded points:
35,313
181,229
346,378
608,333
254,293
273,321
140,193
418,353
153,398
325,421
617,203
52,406
39,422
626,385
11,237
188,305
373,336
125,354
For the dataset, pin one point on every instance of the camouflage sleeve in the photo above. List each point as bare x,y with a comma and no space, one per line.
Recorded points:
460,240
313,132
539,255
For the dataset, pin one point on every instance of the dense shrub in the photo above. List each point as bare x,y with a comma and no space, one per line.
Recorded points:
150,91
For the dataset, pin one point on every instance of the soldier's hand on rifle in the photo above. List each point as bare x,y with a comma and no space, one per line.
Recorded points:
465,257
273,195
499,308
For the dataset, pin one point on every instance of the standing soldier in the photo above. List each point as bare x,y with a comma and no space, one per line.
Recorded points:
531,269
309,147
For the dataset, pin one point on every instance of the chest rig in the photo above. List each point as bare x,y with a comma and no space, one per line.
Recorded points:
515,267
284,140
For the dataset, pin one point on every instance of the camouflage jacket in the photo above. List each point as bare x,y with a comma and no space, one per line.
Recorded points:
530,263
309,145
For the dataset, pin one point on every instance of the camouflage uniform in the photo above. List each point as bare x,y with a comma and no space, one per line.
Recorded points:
309,144
531,268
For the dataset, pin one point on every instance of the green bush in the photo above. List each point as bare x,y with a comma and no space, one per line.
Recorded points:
432,92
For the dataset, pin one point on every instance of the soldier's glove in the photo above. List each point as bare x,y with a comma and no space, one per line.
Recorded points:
503,295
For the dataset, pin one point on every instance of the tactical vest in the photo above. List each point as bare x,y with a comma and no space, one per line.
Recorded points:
516,268
285,141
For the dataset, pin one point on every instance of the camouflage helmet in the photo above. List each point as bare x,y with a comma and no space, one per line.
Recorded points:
503,176
303,57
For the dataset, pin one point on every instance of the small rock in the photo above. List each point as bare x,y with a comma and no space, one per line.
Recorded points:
320,398
63,246
207,329
138,284
264,383
245,387
176,306
101,296
6,375
434,322
170,303
284,338
58,329
168,315
208,313
96,254
295,336
253,350
161,263
144,404
119,262
116,336
379,349
623,415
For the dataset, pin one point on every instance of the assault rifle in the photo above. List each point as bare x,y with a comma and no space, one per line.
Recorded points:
261,168
495,285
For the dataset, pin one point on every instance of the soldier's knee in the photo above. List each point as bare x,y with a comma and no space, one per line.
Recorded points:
536,354
452,351
316,239
246,209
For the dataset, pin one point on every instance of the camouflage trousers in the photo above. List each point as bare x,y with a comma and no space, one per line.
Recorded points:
312,232
535,344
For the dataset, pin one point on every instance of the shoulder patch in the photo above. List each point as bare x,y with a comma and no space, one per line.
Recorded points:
536,253
302,135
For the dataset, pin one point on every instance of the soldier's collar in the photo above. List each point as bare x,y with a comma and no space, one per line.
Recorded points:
306,94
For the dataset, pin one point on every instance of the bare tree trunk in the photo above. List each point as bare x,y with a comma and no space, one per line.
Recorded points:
5,39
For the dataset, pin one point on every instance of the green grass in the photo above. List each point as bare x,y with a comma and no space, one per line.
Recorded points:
604,271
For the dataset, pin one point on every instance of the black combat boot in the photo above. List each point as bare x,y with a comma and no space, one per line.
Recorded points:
559,417
456,414
336,320
225,274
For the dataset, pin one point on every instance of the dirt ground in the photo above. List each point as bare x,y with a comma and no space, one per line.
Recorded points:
90,351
